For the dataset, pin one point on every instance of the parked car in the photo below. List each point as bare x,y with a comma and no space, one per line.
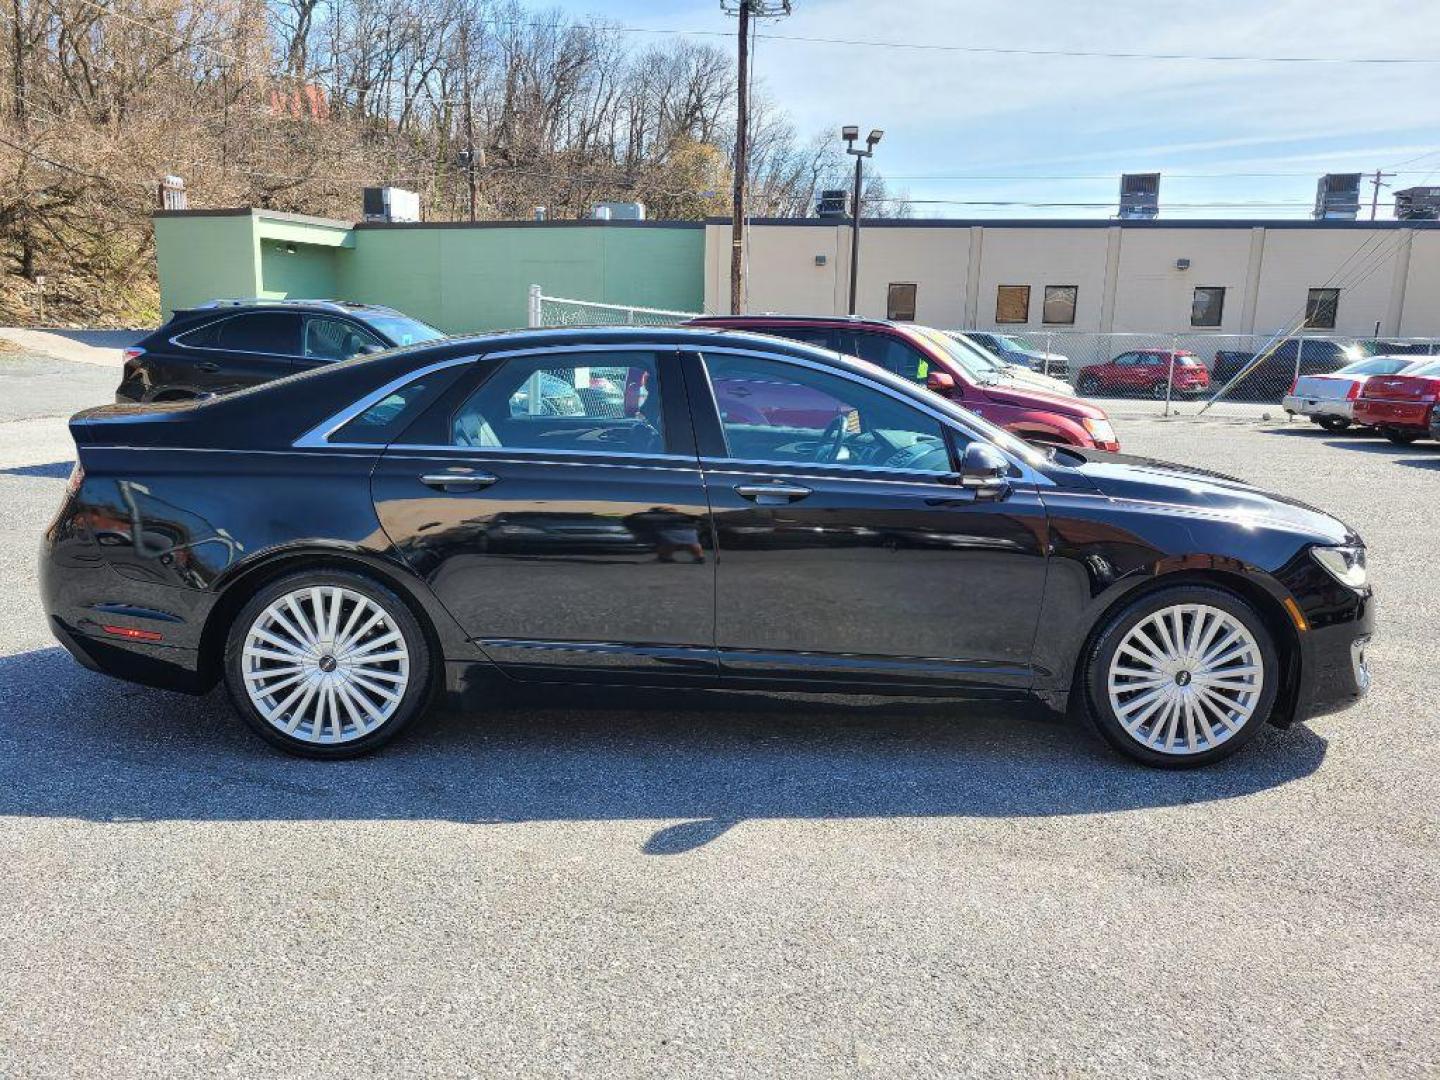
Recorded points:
226,345
1400,406
1271,377
378,532
1329,400
932,358
990,364
1018,352
1148,372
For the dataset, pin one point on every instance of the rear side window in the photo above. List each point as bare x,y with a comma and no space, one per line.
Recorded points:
275,332
382,422
202,337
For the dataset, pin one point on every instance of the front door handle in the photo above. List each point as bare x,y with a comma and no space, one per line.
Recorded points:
206,365
459,481
771,494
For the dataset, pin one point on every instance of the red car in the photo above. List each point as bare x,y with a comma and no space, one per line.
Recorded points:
928,356
1145,371
1399,406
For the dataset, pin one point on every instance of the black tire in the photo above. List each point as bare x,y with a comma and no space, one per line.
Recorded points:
1335,424
1087,385
1400,437
1158,391
413,701
1100,654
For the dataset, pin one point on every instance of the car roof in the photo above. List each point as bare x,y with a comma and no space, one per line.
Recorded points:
349,307
763,319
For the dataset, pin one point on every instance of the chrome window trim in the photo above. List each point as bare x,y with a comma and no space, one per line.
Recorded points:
319,435
175,340
1028,473
543,457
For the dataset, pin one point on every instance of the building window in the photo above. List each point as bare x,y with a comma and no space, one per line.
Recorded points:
1060,304
1320,308
900,302
1012,304
1208,307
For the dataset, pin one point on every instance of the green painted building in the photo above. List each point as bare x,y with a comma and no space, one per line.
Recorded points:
459,276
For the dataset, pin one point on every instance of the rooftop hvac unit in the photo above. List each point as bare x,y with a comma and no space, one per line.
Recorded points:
1139,195
390,204
618,211
1337,197
830,203
1418,204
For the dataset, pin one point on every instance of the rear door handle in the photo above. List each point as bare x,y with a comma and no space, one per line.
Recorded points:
771,494
459,481
206,365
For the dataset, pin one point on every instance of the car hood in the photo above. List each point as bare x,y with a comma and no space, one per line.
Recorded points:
1128,477
1031,397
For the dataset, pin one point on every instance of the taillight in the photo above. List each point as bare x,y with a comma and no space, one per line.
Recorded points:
77,477
1293,385
133,353
1353,392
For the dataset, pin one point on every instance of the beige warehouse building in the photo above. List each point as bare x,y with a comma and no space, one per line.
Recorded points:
1221,277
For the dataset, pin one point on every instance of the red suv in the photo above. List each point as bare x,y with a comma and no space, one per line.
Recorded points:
1145,371
928,356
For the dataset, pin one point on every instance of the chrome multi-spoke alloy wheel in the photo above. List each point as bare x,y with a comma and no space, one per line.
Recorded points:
1186,679
325,664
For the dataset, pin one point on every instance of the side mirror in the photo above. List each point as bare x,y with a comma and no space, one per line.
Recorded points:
942,382
984,470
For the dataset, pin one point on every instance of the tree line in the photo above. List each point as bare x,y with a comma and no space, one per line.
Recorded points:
297,104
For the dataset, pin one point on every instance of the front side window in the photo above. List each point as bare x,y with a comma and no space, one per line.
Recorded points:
1012,304
337,339
275,332
772,411
1208,306
1321,306
1060,304
900,302
566,402
890,352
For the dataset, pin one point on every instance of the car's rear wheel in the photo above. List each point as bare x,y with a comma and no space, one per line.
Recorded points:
1183,676
1336,424
1399,436
327,664
1088,384
1158,391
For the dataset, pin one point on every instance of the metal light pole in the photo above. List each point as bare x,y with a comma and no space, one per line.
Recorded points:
850,133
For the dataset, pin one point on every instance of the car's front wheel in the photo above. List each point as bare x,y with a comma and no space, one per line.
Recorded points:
327,664
1181,677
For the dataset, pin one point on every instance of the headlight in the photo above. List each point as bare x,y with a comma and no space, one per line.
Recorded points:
1102,431
1345,564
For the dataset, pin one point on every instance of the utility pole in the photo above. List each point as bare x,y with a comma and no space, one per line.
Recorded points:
1376,184
746,10
469,155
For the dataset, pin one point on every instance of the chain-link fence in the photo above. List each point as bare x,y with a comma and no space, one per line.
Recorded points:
1190,373
1244,376
563,311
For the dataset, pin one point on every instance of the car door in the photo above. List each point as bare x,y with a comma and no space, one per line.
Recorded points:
845,552
327,339
565,530
242,350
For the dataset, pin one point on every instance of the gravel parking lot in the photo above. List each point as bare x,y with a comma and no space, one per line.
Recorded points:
721,885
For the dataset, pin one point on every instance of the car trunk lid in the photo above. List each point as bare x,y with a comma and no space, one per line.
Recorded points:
1402,388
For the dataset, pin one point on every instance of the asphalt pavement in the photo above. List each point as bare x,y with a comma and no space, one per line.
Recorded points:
721,885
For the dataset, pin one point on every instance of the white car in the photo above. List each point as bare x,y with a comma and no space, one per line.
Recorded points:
1006,369
1329,400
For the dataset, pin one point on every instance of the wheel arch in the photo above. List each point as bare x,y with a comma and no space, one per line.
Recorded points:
1267,598
442,634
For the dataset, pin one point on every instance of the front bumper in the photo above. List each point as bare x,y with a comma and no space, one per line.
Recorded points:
1335,669
1340,408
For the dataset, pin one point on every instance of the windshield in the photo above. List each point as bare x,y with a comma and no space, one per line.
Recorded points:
401,329
975,361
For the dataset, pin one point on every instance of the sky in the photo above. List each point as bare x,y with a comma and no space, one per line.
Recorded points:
964,127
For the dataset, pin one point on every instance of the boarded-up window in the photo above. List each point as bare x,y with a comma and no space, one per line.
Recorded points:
900,302
1060,304
1012,304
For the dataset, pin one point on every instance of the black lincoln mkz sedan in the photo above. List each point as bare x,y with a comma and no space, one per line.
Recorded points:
680,508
